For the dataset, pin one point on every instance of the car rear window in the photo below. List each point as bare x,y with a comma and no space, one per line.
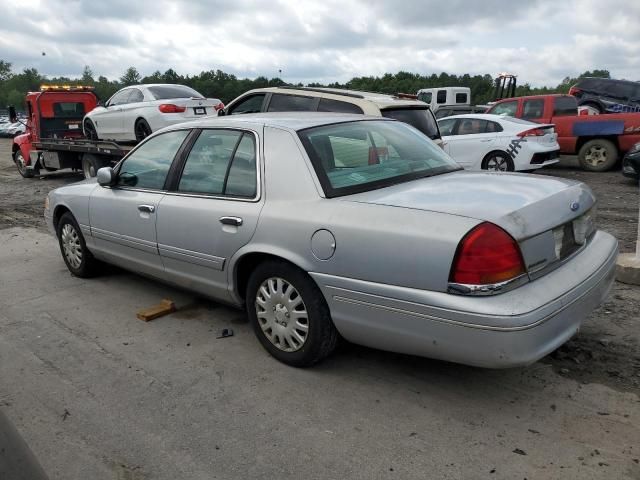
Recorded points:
420,118
173,91
68,109
358,156
563,106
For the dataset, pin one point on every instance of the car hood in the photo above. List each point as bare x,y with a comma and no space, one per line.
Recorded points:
524,205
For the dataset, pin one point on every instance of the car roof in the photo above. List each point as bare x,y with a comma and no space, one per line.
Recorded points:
382,100
287,120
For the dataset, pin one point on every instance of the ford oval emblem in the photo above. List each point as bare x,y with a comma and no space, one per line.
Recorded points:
574,206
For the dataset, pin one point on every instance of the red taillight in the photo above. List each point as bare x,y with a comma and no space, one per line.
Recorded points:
534,132
219,106
486,255
575,91
171,108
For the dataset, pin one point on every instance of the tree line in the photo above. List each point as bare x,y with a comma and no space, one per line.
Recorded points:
226,87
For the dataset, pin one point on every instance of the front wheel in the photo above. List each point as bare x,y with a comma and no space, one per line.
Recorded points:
90,130
289,314
498,162
18,158
79,260
598,155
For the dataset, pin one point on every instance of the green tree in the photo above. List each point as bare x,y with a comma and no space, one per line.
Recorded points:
130,77
87,76
5,70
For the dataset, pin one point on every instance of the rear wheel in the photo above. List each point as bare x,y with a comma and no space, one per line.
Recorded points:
598,155
90,130
91,164
18,158
289,314
142,129
498,162
76,255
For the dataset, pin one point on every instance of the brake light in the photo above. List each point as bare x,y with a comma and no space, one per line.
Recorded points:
534,132
171,108
486,255
575,91
219,106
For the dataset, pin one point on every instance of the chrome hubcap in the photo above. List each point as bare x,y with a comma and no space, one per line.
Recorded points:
596,155
71,245
498,164
282,314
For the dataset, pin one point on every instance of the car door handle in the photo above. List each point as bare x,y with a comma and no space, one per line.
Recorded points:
237,221
487,140
147,208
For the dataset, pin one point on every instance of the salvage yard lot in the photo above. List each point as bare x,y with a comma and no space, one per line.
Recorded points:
99,394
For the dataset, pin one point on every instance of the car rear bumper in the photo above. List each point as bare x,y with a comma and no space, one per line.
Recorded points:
507,330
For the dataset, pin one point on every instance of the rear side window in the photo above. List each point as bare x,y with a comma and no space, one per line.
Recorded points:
252,104
291,103
462,98
68,110
622,90
420,118
533,108
563,106
221,162
329,105
163,92
506,108
147,166
442,96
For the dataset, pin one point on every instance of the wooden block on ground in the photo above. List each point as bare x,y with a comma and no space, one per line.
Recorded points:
165,307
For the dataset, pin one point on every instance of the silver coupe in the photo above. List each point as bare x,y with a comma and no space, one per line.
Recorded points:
333,225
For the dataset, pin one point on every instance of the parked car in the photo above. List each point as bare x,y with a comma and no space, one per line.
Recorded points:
133,113
308,99
492,142
598,140
631,162
438,98
450,110
329,224
607,95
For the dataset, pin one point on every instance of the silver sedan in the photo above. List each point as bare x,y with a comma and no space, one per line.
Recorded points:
326,225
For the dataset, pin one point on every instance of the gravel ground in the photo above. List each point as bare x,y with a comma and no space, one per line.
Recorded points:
98,394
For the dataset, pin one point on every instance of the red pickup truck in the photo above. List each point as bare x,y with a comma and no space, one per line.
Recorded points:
598,140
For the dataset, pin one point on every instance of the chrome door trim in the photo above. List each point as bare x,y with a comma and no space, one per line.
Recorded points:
189,256
127,241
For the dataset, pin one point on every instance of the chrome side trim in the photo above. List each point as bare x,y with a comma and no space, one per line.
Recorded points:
189,256
125,240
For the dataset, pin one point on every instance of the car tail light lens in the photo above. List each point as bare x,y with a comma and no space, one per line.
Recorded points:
171,108
575,91
219,107
486,255
534,132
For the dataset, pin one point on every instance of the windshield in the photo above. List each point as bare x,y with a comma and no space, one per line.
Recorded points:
364,155
420,118
173,91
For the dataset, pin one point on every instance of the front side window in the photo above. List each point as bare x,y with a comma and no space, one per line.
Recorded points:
252,104
533,108
221,162
442,96
120,98
420,118
508,109
147,166
291,103
136,96
359,156
447,126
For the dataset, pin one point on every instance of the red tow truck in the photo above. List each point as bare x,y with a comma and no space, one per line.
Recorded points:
598,140
54,139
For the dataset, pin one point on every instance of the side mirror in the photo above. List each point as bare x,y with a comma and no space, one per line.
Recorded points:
222,112
100,103
13,116
106,177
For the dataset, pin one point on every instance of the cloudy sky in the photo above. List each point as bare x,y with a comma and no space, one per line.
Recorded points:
542,41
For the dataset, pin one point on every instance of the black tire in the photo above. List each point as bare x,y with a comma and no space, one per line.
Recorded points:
18,159
598,155
498,161
142,129
91,164
90,130
69,234
321,335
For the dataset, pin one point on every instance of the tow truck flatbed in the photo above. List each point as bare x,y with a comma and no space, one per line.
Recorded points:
96,147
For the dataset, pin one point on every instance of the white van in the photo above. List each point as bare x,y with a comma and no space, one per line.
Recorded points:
439,97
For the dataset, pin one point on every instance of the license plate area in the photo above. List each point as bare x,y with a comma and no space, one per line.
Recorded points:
572,235
199,110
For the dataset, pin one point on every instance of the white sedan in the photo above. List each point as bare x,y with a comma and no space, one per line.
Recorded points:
493,142
135,112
